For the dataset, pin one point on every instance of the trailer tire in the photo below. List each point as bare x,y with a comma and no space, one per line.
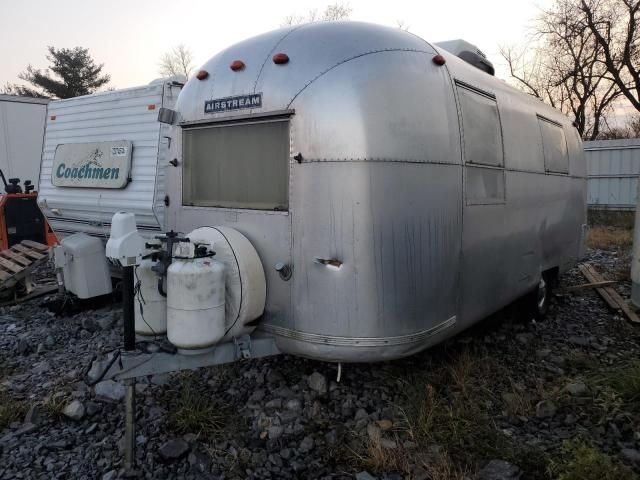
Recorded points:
537,301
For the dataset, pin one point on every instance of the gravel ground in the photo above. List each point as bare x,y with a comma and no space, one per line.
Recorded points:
508,399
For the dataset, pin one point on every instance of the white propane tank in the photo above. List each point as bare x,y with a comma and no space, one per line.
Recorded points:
246,289
151,319
195,302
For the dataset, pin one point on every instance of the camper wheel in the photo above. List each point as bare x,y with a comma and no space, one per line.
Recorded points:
536,303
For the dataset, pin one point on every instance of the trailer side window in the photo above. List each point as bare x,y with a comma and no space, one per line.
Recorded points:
481,127
483,149
554,146
484,185
237,166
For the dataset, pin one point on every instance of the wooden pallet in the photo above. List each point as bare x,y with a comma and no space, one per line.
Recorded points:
17,264
608,293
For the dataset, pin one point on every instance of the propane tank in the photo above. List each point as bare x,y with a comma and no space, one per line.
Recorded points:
195,300
150,306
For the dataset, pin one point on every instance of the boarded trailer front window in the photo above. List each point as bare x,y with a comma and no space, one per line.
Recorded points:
554,145
237,166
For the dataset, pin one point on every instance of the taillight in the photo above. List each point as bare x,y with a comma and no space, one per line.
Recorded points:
439,60
280,58
237,65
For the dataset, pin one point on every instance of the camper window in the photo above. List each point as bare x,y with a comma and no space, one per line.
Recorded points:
554,145
484,186
237,165
481,126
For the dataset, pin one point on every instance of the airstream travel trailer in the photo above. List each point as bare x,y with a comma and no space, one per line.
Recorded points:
384,193
102,153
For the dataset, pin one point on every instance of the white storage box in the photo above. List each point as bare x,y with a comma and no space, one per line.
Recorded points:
84,266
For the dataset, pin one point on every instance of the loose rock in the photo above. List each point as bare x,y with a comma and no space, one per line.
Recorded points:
499,470
545,409
110,391
75,410
577,388
174,449
318,382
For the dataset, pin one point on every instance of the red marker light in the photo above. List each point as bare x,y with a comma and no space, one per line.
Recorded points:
151,107
237,65
53,117
280,58
439,60
202,74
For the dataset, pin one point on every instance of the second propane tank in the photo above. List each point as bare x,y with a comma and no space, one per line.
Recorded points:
195,300
150,307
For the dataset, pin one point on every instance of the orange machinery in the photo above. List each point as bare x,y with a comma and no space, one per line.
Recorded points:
20,217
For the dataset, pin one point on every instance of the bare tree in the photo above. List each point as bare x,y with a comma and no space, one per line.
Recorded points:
614,25
332,12
630,130
177,61
562,67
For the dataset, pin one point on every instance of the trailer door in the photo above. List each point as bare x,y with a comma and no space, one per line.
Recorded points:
483,232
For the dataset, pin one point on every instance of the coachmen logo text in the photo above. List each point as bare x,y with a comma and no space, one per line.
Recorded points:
92,165
239,102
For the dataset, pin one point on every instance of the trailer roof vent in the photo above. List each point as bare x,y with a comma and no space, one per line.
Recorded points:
469,53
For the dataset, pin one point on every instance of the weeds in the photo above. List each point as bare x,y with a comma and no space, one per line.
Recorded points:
517,403
586,463
381,458
605,238
11,410
54,407
626,381
581,361
198,413
451,406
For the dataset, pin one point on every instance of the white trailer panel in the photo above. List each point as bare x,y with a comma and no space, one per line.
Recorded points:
21,134
122,115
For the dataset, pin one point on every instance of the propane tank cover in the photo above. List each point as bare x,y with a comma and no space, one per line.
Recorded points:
125,243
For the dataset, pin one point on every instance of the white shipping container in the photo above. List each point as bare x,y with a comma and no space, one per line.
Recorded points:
22,122
120,117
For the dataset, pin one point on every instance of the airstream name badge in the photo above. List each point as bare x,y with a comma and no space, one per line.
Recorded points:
92,165
239,102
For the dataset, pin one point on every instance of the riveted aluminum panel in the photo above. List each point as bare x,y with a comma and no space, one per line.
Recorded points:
313,49
104,117
396,229
420,130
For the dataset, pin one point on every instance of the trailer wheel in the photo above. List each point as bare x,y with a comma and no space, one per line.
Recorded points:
537,302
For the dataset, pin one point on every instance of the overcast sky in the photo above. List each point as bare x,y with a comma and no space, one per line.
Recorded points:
130,36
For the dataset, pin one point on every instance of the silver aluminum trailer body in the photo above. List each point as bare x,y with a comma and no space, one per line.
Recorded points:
410,199
22,122
128,115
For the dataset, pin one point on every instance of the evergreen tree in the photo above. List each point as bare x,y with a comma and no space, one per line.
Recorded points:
72,72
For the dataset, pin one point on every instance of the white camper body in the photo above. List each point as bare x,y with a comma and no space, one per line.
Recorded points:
120,121
21,133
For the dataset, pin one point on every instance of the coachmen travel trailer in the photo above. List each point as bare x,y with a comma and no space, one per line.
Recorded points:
345,192
103,153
